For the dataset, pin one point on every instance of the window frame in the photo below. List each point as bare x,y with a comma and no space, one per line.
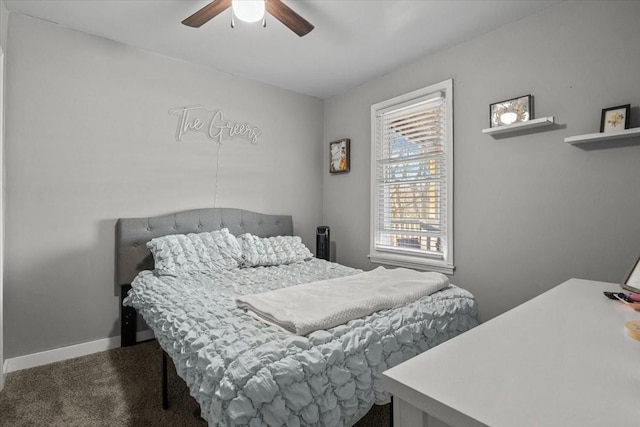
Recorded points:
397,258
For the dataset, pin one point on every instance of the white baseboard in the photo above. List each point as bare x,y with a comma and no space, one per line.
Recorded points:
59,354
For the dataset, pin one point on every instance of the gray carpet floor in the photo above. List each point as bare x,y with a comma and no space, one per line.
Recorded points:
119,387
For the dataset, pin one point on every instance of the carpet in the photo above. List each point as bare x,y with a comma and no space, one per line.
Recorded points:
118,387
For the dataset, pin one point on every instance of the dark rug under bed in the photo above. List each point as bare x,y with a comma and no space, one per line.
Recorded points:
119,387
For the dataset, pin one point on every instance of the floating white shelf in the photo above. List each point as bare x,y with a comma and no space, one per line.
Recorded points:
531,124
600,136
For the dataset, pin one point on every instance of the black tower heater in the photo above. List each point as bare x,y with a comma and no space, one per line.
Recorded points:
322,243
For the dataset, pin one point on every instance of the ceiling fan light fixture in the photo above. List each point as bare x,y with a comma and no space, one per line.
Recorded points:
248,10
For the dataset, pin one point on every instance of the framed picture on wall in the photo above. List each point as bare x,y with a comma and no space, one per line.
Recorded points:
632,282
510,111
615,119
339,156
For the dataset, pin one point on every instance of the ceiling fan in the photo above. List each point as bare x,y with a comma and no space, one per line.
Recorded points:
276,8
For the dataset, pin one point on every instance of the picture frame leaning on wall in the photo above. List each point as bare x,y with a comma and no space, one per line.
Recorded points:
632,281
615,119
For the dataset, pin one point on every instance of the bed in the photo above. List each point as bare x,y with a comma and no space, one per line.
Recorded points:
243,371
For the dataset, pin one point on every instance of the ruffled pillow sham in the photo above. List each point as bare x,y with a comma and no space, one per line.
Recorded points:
209,251
268,251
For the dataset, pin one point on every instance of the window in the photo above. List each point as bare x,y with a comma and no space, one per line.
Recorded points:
412,179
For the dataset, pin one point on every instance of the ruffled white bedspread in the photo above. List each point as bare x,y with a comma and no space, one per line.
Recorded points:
244,372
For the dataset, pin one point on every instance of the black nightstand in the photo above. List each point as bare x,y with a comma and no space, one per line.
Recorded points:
128,317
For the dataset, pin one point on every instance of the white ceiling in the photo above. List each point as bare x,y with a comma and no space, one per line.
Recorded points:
353,40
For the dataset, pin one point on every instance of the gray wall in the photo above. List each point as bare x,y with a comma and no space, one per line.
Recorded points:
89,139
4,19
530,211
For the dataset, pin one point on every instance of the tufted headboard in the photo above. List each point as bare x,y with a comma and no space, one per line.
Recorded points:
132,234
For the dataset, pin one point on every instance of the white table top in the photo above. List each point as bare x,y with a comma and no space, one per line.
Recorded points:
561,359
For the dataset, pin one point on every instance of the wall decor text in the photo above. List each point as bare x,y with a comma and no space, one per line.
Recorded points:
198,119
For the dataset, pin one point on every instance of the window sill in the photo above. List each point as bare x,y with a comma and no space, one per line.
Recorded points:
412,262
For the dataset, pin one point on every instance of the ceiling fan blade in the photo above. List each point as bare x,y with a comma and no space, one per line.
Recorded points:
208,12
288,17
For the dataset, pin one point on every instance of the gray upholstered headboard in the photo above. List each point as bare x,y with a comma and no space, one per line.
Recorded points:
132,234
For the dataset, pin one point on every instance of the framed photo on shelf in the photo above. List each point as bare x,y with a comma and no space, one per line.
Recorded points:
339,156
615,119
516,110
632,282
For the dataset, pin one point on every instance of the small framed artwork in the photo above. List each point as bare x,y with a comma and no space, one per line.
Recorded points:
615,119
339,156
516,110
632,282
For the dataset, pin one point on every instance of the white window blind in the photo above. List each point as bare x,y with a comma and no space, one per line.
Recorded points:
411,179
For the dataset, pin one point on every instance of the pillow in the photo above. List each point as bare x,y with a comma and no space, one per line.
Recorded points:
266,251
180,253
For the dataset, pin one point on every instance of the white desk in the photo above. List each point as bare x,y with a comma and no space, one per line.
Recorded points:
562,359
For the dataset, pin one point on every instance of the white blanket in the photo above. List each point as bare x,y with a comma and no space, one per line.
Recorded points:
305,308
